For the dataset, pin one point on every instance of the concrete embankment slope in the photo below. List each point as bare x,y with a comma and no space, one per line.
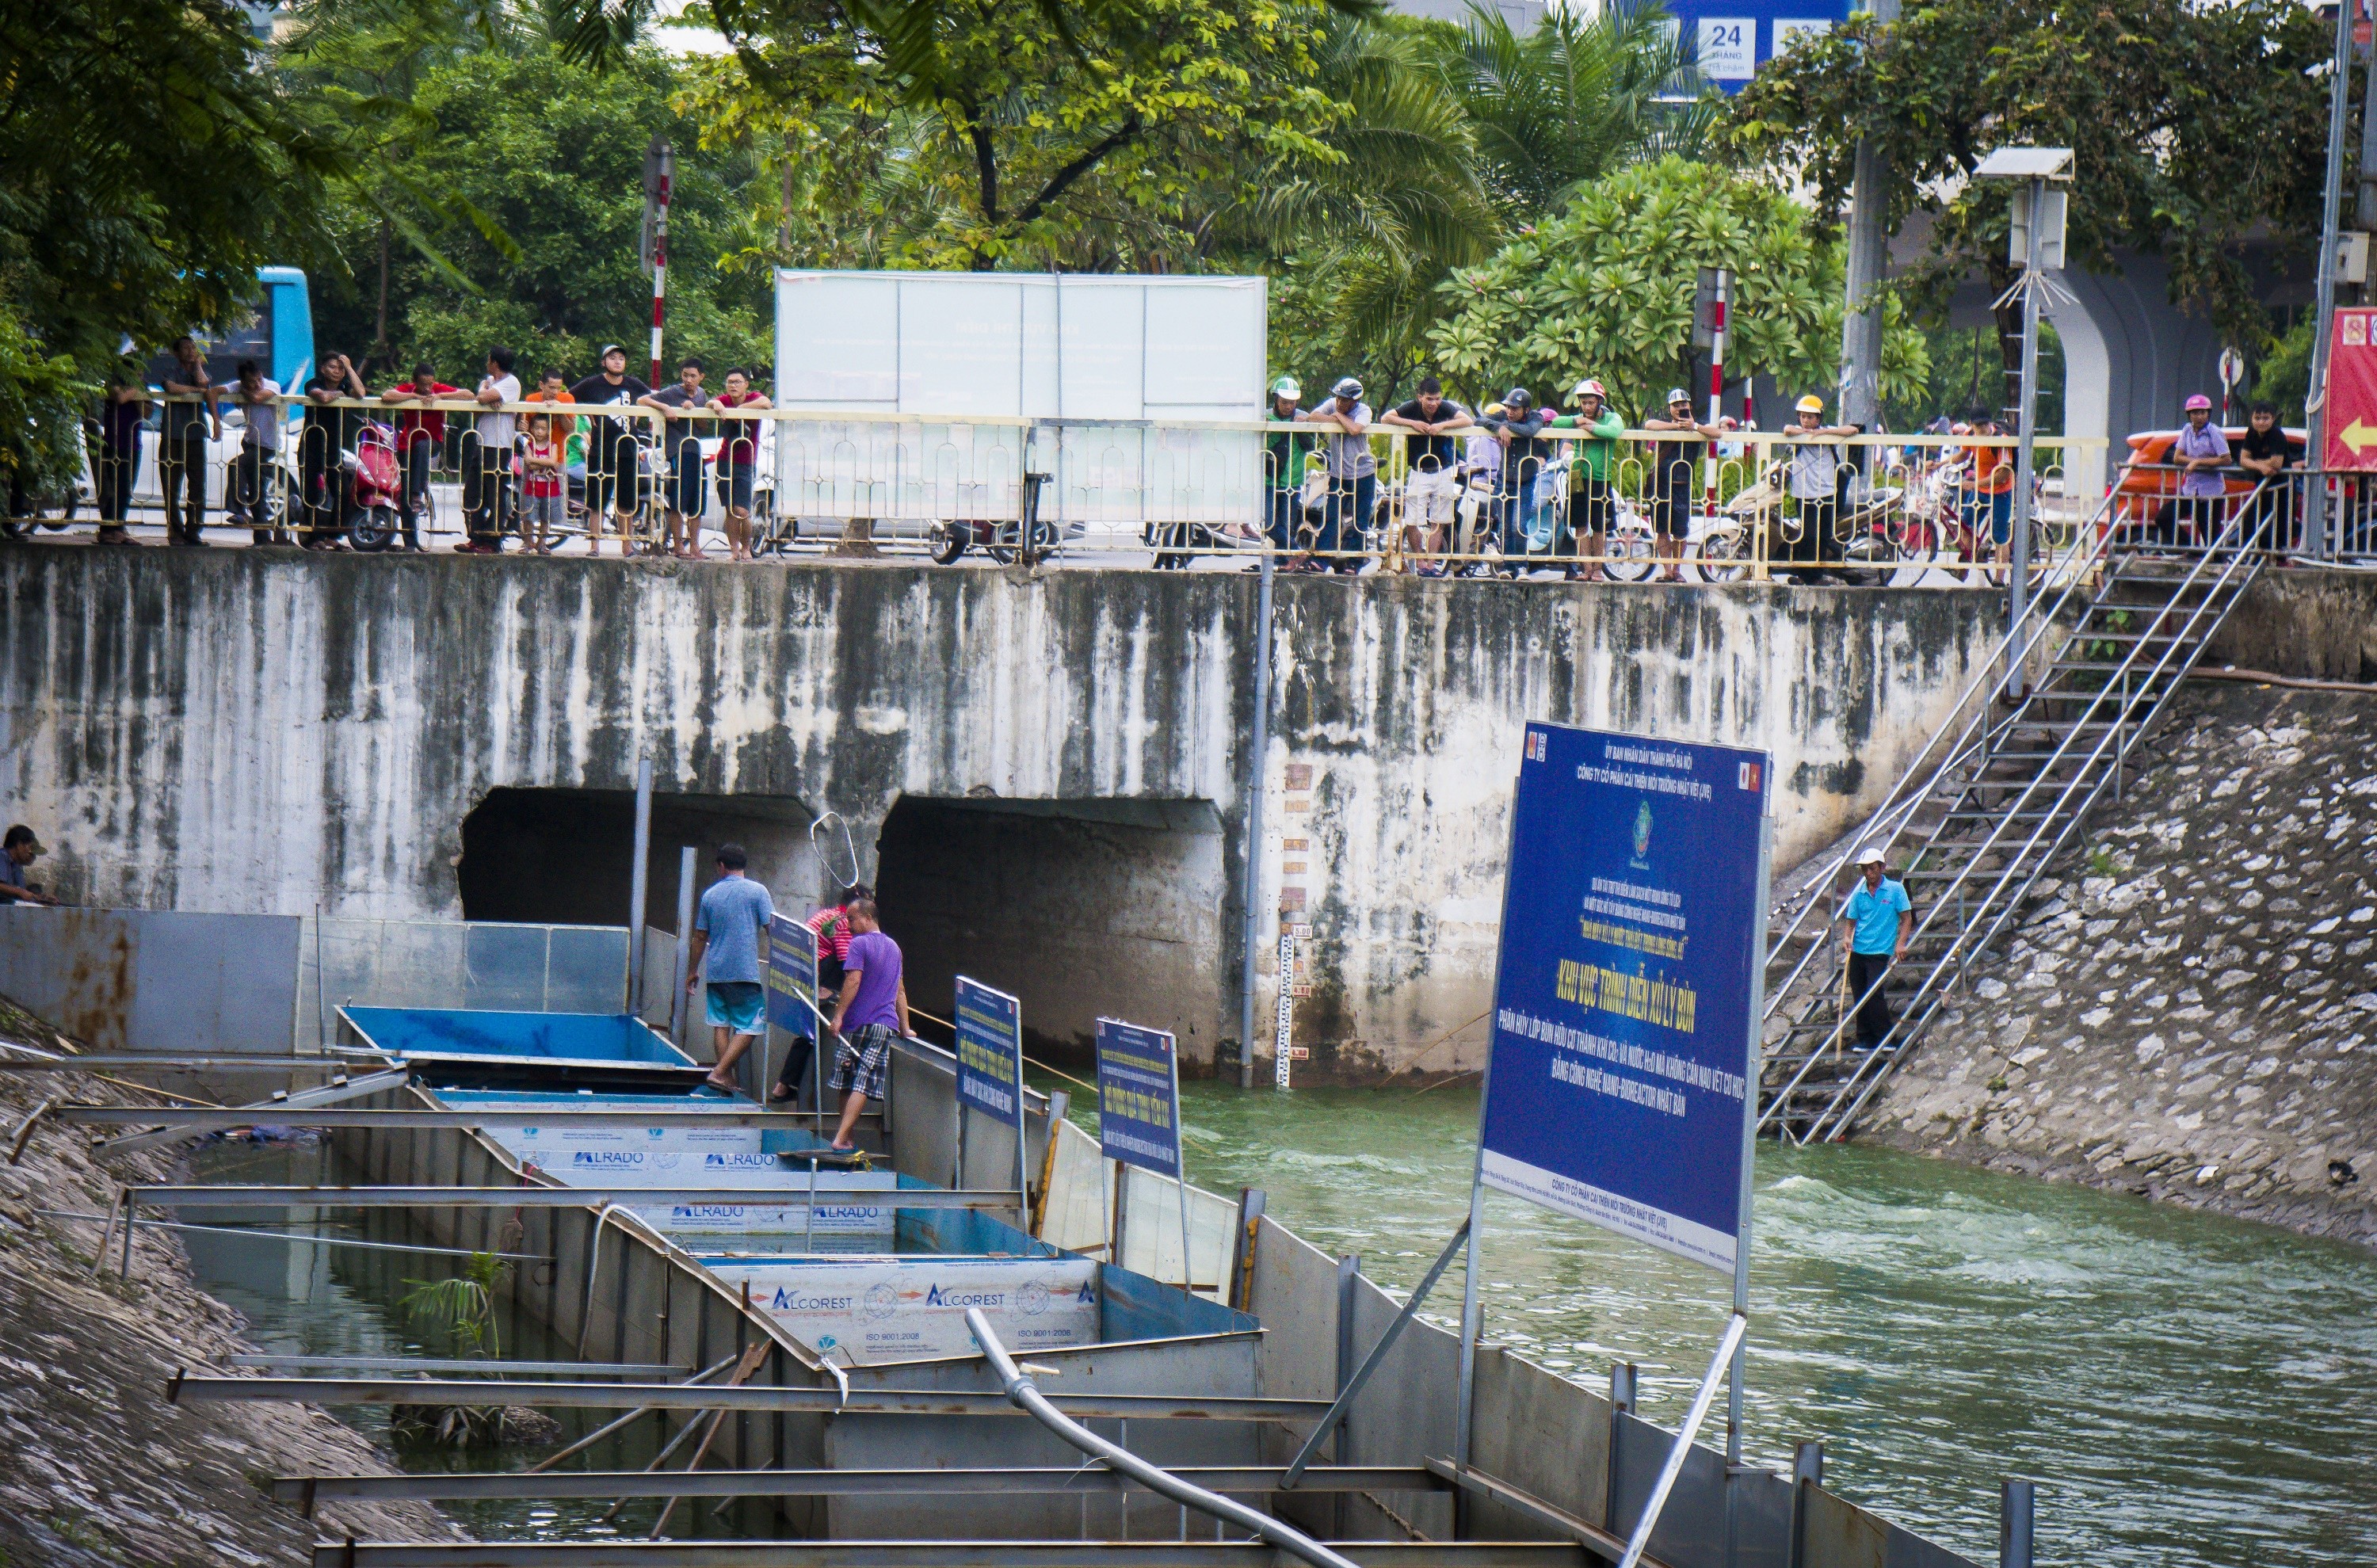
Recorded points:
96,1468
2190,1011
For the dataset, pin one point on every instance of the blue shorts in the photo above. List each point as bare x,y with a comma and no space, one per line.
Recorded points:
737,1004
1998,510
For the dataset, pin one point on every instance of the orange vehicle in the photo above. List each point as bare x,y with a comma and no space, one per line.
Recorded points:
2146,482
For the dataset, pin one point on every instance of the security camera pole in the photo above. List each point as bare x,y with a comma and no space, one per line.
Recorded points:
2035,245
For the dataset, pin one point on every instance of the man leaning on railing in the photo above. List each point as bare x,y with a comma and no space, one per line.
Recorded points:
2265,453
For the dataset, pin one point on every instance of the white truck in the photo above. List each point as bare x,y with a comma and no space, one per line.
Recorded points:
952,388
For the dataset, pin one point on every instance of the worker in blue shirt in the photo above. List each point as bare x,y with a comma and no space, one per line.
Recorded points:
1875,924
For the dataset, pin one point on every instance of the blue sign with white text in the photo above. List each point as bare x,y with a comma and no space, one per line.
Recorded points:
1619,1083
1730,39
792,976
1139,1096
990,1050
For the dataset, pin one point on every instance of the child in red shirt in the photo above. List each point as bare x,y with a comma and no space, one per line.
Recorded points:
542,485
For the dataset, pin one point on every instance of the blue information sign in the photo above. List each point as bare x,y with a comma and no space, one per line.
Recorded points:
1730,39
792,976
1139,1096
1619,1088
990,1050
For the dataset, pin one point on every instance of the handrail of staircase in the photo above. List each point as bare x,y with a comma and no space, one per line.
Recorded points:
1781,1100
2003,909
1902,801
1870,1072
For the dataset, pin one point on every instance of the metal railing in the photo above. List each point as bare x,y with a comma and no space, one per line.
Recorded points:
2137,704
373,475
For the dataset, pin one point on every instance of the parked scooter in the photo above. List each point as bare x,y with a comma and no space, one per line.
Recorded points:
372,479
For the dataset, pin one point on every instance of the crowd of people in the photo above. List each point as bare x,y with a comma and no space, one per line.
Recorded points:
519,464
1515,485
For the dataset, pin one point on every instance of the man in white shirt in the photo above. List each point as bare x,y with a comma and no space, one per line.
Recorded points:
253,471
487,456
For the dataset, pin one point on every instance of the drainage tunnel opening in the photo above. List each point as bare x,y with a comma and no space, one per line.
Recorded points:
1081,908
566,857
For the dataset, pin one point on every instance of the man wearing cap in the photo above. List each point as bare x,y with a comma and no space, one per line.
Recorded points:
1672,462
1588,476
611,450
1283,454
1518,431
1874,926
1816,485
1353,473
19,850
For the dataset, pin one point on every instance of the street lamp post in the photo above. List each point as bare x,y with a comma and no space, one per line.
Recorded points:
2035,245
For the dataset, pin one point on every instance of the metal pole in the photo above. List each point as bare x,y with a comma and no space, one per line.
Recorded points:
2017,1501
2339,108
1022,1184
1180,1171
2018,578
1466,1397
1328,1423
640,886
1254,769
1028,1398
678,1011
660,253
1716,377
1754,1048
1869,259
1675,1465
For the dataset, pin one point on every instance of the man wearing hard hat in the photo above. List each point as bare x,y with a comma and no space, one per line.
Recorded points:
1815,484
1588,491
1672,462
1874,926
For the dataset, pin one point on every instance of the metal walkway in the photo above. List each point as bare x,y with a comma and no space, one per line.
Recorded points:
1995,795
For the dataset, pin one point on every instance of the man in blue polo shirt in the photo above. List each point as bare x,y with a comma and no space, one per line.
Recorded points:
730,931
1875,924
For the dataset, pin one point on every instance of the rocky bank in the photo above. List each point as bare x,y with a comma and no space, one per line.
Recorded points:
2189,1012
95,1466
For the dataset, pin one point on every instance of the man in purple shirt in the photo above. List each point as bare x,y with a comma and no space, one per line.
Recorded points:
871,1012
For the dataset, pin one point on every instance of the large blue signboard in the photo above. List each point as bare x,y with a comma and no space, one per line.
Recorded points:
990,1050
1732,38
792,976
1619,1085
1139,1096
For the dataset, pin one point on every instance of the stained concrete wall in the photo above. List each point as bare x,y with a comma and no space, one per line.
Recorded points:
255,733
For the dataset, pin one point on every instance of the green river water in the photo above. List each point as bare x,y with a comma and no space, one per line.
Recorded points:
2184,1389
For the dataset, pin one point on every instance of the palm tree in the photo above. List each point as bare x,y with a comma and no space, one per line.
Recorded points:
1575,99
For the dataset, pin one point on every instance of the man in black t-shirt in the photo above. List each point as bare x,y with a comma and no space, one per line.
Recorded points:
681,499
611,449
1671,481
2265,453
182,441
1430,454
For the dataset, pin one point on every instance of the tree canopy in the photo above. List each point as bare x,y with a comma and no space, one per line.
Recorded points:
1606,290
2192,128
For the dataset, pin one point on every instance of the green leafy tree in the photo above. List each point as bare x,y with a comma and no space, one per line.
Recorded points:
525,174
2191,127
1606,290
1079,137
1583,94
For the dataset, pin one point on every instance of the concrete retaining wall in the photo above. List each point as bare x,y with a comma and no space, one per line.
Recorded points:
253,733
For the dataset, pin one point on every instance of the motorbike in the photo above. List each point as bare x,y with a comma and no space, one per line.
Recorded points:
371,477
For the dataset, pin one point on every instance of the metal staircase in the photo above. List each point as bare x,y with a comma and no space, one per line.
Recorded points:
1996,793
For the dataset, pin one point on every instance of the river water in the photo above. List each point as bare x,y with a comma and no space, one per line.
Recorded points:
2184,1389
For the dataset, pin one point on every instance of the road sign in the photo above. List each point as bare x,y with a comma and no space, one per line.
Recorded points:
1139,1096
2232,367
2351,421
792,976
1732,38
1620,1084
